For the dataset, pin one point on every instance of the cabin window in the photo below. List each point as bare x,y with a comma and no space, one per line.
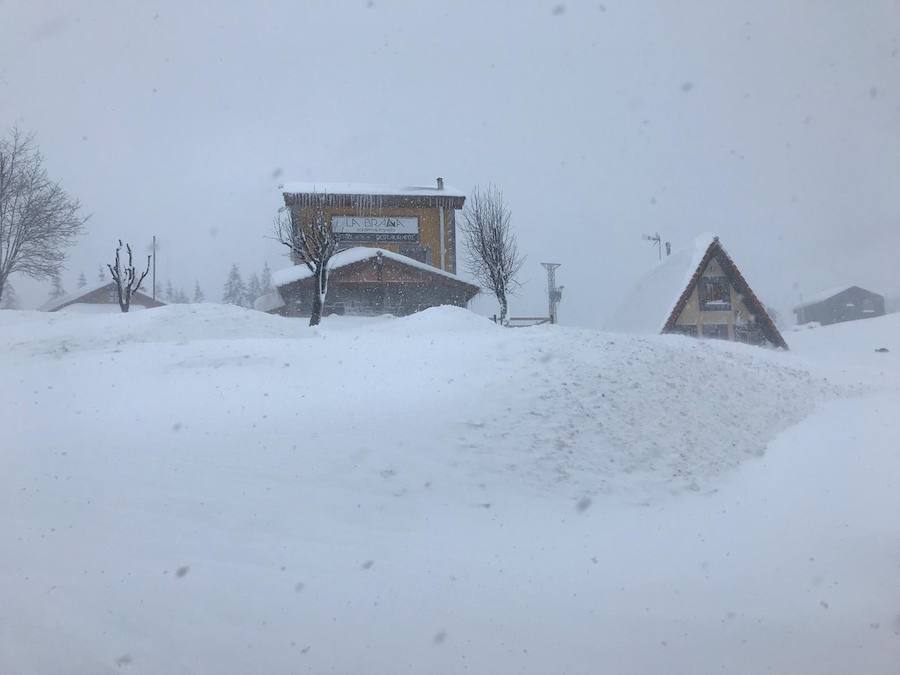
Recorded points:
715,294
716,330
868,306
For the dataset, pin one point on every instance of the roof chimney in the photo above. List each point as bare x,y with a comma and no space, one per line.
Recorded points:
440,182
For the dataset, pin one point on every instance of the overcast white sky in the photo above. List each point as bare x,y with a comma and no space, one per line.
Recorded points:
775,124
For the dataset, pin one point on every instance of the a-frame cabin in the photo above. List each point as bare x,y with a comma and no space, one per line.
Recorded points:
712,299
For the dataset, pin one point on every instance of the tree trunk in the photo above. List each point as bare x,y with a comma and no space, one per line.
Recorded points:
503,307
316,315
122,297
318,298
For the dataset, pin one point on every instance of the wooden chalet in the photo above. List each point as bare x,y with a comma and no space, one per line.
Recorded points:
699,292
365,281
397,250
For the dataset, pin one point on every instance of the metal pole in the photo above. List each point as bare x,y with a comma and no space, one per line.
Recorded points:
154,267
553,293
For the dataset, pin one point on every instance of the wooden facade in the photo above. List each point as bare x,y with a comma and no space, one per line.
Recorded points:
379,284
411,232
719,303
433,209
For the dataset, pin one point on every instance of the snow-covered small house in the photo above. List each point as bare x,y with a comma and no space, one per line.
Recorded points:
697,291
845,303
97,298
366,281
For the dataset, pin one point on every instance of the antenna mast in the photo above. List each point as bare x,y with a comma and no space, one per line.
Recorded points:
656,239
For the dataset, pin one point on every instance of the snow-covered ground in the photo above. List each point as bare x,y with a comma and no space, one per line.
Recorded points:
199,488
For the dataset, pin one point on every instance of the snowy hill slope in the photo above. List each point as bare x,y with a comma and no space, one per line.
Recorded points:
847,348
208,489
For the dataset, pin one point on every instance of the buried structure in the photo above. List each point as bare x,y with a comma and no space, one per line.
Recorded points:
397,250
697,291
98,298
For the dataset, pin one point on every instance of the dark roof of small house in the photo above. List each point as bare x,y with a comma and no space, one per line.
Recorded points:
369,196
55,304
827,294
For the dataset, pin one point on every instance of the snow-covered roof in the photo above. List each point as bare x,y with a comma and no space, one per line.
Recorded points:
822,295
55,303
349,256
648,306
318,187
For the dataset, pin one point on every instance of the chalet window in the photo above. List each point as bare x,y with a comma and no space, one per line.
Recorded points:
684,330
715,294
716,330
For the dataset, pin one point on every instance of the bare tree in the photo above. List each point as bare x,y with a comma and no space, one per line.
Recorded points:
38,219
308,234
493,254
127,281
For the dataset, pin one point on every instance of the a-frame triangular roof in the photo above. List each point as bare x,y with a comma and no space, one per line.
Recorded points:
658,298
715,251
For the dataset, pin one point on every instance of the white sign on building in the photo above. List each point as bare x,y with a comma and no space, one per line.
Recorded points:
378,228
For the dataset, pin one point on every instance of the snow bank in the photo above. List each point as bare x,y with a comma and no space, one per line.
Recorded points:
844,350
559,404
195,489
442,320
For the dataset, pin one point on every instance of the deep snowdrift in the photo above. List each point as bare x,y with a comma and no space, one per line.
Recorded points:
208,489
543,405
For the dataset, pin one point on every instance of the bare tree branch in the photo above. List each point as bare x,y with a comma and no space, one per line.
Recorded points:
493,255
38,220
127,281
308,234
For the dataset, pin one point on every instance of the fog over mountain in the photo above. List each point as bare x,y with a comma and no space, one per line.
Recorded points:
773,124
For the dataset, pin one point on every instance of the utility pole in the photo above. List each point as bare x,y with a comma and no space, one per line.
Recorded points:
554,294
154,267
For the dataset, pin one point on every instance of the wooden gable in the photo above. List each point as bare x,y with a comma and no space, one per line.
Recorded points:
716,255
